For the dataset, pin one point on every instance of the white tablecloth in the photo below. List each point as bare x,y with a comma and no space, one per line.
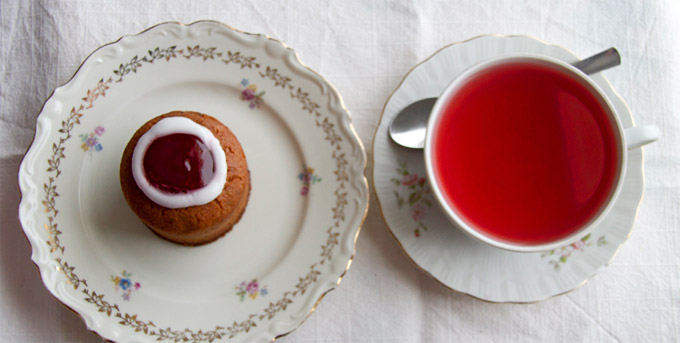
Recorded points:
364,48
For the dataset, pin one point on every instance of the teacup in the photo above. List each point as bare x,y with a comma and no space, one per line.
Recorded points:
527,153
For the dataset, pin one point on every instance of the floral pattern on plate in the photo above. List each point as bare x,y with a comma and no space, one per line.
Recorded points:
91,141
124,283
308,178
250,289
249,94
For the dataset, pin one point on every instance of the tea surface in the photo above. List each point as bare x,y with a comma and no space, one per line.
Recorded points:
525,153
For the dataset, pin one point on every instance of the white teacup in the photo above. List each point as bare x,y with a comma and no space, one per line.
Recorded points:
618,144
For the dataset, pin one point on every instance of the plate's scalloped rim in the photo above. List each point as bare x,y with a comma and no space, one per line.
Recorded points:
620,102
357,166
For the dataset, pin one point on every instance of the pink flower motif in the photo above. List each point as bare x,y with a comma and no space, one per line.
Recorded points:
408,180
248,94
137,285
252,287
304,191
418,212
99,130
579,245
250,290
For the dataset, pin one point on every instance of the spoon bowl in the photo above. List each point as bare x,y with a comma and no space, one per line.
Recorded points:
409,126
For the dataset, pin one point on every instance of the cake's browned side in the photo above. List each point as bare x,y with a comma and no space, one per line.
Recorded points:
194,225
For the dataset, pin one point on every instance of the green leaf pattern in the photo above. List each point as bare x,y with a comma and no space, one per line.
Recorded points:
559,257
417,194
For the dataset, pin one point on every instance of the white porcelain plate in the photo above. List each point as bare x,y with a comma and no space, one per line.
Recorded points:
298,233
444,252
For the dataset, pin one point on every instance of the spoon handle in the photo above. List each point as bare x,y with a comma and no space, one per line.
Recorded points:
604,60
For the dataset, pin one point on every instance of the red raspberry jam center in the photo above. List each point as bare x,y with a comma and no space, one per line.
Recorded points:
178,163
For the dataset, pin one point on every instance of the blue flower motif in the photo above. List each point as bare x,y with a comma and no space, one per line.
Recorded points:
244,82
98,147
125,284
263,292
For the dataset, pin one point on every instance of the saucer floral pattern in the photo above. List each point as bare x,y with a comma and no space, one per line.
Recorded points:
417,196
559,257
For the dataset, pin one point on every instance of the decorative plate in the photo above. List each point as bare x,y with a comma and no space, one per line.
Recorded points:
295,240
436,246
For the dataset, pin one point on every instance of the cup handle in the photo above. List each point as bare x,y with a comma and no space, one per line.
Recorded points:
641,135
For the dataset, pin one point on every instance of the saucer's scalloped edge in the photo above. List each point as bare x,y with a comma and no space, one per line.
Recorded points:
357,162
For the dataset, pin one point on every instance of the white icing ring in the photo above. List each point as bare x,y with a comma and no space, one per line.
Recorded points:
200,196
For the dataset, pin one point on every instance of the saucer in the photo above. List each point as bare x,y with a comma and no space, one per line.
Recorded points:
295,240
444,252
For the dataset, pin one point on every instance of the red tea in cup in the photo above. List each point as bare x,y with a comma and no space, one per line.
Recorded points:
525,153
